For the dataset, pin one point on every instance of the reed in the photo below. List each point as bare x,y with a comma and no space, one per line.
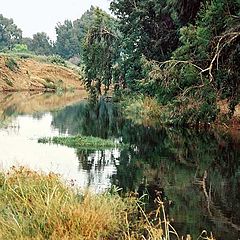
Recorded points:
144,110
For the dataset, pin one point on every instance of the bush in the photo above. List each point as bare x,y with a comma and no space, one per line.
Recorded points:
56,59
20,48
11,64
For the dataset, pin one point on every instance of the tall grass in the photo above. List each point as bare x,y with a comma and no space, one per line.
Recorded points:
144,110
38,206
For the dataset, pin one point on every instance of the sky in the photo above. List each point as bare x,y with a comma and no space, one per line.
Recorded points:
33,16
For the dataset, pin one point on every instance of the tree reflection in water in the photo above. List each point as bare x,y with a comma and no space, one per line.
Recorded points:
198,170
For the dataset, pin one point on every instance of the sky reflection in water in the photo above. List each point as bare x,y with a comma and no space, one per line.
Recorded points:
19,147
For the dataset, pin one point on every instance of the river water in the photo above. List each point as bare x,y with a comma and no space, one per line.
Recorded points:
198,171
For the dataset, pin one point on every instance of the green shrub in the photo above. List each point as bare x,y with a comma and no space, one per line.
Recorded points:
20,48
11,64
56,59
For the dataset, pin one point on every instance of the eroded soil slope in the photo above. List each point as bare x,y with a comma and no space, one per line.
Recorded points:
30,74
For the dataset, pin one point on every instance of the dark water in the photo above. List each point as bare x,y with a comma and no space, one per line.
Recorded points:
199,171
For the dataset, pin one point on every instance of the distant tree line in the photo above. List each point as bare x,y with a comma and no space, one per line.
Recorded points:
68,43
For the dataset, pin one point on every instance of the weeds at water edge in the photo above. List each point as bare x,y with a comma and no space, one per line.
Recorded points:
39,206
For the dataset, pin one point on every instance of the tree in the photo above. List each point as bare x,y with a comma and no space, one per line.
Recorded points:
67,43
149,31
148,23
187,10
212,44
10,34
41,44
81,27
99,51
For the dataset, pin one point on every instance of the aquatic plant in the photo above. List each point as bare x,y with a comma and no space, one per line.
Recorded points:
79,141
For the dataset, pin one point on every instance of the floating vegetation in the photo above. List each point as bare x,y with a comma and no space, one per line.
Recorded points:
79,141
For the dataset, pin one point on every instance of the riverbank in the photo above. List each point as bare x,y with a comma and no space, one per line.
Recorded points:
25,72
147,111
39,206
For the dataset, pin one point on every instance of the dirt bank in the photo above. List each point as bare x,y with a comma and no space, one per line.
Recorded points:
18,74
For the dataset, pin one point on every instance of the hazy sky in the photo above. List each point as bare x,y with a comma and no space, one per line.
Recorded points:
34,16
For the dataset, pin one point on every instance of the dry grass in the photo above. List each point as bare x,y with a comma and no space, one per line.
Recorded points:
33,74
144,110
38,206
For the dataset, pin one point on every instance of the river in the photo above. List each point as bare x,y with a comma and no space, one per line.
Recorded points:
199,171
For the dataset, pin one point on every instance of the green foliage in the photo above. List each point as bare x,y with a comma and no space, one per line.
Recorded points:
20,48
209,43
40,44
10,34
194,44
148,29
11,64
56,59
67,43
81,142
147,23
200,70
71,34
99,51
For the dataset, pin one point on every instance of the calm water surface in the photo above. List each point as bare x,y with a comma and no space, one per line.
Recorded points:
199,172
20,131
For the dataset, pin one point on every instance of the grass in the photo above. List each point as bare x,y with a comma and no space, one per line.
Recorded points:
39,206
52,59
143,110
79,141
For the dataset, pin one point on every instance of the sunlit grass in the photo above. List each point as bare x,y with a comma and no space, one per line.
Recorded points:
144,110
39,206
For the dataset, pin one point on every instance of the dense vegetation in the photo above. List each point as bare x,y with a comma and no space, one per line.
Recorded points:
185,55
171,60
38,206
170,158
